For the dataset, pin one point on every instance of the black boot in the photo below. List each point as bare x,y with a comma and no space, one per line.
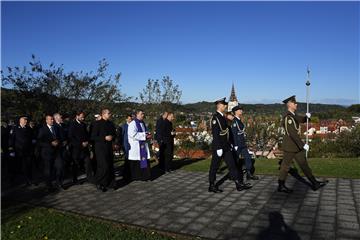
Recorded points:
240,185
283,188
214,188
250,176
315,184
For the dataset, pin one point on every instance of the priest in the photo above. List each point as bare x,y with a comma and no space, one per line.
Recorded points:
139,153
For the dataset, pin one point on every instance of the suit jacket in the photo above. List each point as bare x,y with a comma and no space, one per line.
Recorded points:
159,130
238,132
21,139
77,134
220,132
167,129
125,140
100,129
63,131
292,141
45,137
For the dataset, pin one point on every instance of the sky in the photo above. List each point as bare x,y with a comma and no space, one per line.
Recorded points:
263,48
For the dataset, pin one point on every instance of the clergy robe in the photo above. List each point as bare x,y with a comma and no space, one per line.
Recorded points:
136,135
103,151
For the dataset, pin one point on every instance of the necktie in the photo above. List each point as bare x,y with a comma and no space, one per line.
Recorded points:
52,129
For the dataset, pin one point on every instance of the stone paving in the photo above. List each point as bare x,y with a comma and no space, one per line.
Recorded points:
179,202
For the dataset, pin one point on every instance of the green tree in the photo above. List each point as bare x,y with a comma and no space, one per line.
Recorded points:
41,88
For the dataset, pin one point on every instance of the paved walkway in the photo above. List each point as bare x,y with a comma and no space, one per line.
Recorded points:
179,202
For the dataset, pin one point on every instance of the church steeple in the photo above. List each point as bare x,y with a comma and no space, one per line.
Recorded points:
233,97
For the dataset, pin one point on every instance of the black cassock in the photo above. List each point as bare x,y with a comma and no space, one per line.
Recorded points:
104,152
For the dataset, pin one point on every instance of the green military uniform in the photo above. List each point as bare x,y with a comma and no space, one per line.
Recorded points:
293,146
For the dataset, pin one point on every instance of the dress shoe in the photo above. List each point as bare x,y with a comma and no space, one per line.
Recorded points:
283,188
242,186
250,176
215,189
315,184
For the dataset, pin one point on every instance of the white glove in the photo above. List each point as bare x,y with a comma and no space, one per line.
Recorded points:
236,148
308,115
219,152
12,154
306,147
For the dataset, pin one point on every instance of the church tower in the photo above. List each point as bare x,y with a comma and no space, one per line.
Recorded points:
233,99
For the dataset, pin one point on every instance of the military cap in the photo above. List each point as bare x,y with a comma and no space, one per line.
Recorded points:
290,99
221,100
238,107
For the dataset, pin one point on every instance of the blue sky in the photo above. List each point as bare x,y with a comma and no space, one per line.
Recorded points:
261,47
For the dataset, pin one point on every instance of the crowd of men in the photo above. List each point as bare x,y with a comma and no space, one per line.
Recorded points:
72,147
90,149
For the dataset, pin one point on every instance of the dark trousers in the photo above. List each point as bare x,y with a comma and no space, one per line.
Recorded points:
127,170
249,163
104,164
138,173
81,161
25,161
53,167
230,162
166,156
300,158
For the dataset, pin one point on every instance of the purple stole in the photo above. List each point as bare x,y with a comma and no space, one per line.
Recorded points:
143,151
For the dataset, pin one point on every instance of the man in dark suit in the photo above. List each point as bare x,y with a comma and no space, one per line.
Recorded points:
167,146
78,137
221,146
49,142
20,143
103,134
126,146
158,138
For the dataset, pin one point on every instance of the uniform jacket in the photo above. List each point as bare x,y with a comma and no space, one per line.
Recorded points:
292,141
238,132
220,132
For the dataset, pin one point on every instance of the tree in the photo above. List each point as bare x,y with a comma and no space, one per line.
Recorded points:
49,89
156,92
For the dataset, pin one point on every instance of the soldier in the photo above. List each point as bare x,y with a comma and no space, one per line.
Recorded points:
240,147
294,147
221,146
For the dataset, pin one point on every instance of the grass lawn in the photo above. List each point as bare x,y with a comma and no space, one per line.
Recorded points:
334,167
25,222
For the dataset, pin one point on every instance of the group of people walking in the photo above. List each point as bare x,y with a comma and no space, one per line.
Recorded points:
91,148
88,149
229,143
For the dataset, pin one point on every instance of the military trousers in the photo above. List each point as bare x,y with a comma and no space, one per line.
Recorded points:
300,158
230,163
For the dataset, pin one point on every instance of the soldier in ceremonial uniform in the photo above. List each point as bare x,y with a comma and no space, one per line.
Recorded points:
294,147
221,146
240,147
